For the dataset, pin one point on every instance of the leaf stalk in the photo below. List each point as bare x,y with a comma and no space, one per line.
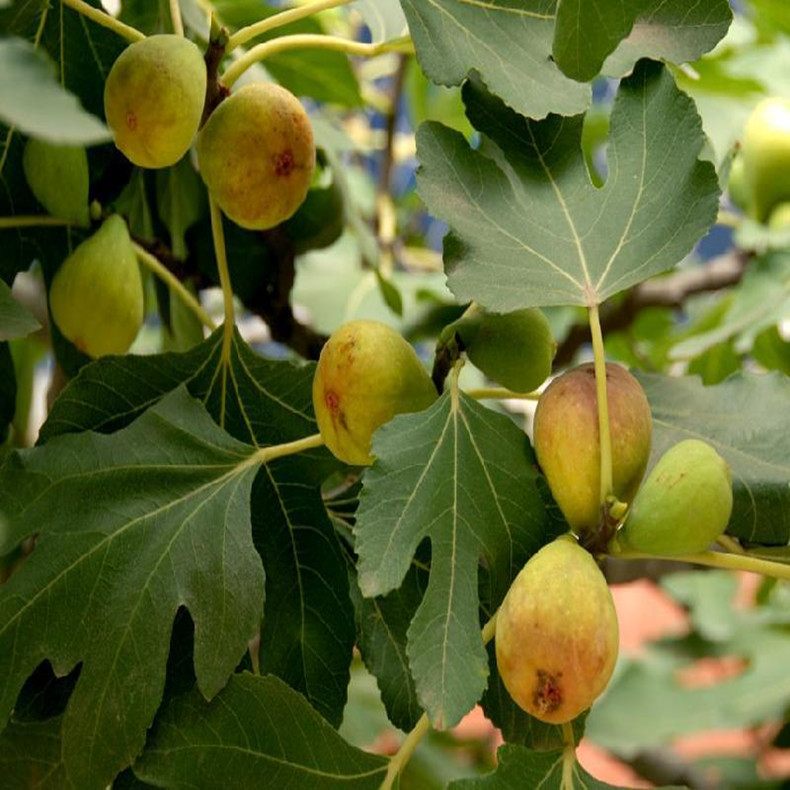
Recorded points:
104,19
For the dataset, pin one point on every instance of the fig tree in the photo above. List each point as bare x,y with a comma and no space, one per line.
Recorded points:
58,177
567,440
257,155
683,506
556,633
766,156
367,373
96,296
153,99
514,349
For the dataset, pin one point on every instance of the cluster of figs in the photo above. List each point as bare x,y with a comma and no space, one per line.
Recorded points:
556,630
256,154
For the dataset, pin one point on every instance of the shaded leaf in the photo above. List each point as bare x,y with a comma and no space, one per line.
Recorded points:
529,228
256,733
30,757
8,391
464,477
15,319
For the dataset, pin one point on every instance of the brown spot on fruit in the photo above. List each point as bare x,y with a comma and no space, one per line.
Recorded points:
548,692
131,121
332,401
284,163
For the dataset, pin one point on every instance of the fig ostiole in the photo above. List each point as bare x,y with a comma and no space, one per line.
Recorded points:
257,155
366,374
154,97
514,349
58,177
557,633
684,504
96,296
567,440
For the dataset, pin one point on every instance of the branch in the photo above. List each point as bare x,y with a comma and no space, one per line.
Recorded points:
216,91
670,291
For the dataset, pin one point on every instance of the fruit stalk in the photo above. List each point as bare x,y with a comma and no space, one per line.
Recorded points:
33,221
499,393
175,17
603,404
105,20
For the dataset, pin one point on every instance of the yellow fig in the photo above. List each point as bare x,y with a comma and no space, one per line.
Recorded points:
96,296
367,373
154,97
58,176
257,155
683,506
567,440
557,634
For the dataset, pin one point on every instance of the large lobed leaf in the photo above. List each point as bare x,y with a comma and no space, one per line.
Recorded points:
464,477
530,229
131,526
308,627
746,418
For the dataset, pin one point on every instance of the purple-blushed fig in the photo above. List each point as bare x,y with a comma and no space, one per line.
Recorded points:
684,504
557,633
153,99
367,373
257,155
567,440
96,296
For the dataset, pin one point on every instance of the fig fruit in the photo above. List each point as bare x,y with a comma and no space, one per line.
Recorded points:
567,443
780,216
257,155
58,177
557,634
514,349
96,296
153,99
766,156
367,373
683,506
736,186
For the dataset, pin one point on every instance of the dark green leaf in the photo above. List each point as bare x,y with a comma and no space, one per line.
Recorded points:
256,733
30,756
464,477
529,229
7,392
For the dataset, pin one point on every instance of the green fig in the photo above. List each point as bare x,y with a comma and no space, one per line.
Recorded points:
514,349
780,216
96,296
556,633
367,373
766,156
567,440
58,177
154,97
683,506
737,188
257,155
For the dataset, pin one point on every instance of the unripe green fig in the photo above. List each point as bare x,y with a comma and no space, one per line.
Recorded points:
557,634
58,177
96,296
683,506
257,155
154,97
567,440
766,156
780,216
367,373
737,187
514,349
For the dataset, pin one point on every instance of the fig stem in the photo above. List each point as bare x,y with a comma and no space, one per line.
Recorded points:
310,41
153,264
729,219
33,221
718,559
105,20
175,17
730,544
568,756
499,393
243,35
267,454
423,726
605,436
220,252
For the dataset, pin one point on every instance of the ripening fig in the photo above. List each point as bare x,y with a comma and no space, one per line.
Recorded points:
766,156
736,186
154,97
567,442
96,296
514,349
780,216
683,506
557,634
58,176
257,155
367,373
